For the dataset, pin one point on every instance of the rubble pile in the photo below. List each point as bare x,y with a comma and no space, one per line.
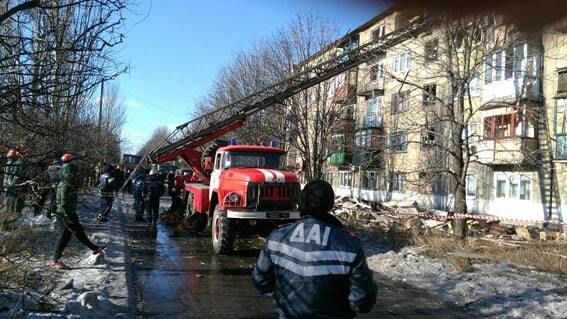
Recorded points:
419,221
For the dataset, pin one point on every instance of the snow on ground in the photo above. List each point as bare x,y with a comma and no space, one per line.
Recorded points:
94,287
500,290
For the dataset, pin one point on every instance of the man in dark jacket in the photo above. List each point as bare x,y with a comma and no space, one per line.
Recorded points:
153,189
138,193
106,187
66,213
315,268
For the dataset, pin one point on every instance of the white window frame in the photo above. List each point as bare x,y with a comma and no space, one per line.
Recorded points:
402,62
345,178
513,178
471,180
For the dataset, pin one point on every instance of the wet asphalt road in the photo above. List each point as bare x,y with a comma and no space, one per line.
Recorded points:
182,278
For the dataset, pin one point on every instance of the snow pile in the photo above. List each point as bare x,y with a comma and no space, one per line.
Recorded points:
492,290
95,286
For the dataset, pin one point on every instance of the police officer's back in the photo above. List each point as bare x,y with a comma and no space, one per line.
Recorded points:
314,268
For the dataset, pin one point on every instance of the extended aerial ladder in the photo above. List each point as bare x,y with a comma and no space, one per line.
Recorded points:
183,141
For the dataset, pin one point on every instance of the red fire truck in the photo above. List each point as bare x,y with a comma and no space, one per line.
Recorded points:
244,190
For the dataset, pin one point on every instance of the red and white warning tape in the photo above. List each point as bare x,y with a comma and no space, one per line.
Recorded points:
475,217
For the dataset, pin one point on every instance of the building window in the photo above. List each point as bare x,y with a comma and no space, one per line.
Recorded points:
561,147
429,94
328,177
474,86
370,180
345,179
513,185
500,126
376,72
471,185
400,102
525,187
398,142
379,32
510,63
431,50
396,181
338,143
562,81
561,128
363,139
428,137
402,62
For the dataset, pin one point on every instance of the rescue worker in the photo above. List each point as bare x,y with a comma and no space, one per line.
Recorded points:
153,189
106,187
13,177
179,181
315,268
50,189
66,213
170,180
138,193
175,212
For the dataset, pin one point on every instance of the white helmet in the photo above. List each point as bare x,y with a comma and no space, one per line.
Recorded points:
153,171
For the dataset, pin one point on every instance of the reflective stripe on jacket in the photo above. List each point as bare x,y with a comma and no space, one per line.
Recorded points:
313,269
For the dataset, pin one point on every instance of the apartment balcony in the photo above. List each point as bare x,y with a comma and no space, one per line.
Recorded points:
340,159
371,88
367,157
507,151
370,121
344,93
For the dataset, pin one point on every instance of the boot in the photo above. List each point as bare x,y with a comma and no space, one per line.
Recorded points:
58,264
99,249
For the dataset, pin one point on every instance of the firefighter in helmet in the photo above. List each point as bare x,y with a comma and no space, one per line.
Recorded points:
106,187
12,178
66,213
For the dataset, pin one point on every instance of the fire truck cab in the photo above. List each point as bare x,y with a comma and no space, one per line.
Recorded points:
249,194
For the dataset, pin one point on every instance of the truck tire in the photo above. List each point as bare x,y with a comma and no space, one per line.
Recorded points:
222,234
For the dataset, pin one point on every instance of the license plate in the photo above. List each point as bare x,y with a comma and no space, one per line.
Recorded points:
277,215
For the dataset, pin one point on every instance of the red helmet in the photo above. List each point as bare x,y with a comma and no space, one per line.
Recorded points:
67,157
12,153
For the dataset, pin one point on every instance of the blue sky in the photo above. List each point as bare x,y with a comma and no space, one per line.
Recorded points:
175,47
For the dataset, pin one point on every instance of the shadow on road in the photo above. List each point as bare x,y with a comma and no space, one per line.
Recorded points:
182,278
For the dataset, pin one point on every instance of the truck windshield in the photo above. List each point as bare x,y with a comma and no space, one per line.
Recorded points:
252,159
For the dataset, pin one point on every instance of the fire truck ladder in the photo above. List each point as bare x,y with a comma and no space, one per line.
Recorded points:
211,126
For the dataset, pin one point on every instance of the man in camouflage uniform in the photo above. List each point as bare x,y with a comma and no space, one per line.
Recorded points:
48,188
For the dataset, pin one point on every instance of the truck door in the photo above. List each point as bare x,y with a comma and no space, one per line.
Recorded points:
215,175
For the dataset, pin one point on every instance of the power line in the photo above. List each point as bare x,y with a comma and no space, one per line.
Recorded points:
148,103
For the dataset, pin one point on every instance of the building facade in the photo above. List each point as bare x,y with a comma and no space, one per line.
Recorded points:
398,132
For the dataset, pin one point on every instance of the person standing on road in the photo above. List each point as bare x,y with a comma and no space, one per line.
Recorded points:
66,213
153,189
138,193
170,181
106,187
315,268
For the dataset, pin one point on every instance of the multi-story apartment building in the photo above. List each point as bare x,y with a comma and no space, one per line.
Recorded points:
396,138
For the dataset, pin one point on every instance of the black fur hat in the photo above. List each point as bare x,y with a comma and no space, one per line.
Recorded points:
317,197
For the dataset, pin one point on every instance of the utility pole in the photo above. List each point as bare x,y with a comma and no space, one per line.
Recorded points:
100,112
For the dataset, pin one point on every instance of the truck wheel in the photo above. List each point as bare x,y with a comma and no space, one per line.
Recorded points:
222,234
